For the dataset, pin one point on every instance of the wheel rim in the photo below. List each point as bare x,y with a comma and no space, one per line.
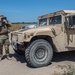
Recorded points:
41,54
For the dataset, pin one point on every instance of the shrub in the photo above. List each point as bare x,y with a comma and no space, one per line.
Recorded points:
67,70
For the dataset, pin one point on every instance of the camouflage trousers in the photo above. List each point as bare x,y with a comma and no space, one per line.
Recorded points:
4,41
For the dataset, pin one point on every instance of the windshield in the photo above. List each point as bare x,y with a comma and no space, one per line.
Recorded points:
43,22
29,26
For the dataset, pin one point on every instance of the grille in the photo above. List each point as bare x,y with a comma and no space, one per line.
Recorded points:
14,38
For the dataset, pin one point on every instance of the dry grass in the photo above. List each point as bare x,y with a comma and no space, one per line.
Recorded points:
66,70
16,27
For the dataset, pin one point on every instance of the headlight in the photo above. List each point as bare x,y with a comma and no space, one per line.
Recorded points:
27,35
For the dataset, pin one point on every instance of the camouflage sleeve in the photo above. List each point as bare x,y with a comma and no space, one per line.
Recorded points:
8,23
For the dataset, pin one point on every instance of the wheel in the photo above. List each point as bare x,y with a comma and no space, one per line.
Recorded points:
39,53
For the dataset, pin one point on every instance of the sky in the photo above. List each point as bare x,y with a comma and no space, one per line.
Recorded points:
29,10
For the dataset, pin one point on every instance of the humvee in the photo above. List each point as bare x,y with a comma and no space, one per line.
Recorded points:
55,32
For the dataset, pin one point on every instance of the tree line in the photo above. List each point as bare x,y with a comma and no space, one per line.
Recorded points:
24,22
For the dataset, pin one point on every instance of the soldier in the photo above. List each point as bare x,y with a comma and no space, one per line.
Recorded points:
4,38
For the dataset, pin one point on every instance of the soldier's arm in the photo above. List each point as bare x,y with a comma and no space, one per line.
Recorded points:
7,23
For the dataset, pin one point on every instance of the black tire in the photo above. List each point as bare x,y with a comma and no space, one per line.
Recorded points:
19,52
39,53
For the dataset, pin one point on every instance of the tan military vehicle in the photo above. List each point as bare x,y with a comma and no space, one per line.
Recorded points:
54,32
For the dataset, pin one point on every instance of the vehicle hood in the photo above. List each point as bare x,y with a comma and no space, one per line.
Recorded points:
43,29
38,29
19,31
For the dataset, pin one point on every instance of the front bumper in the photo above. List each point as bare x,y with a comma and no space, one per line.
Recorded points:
17,42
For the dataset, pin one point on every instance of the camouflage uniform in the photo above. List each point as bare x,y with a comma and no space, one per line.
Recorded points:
4,38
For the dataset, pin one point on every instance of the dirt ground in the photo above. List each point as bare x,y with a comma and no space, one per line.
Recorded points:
18,65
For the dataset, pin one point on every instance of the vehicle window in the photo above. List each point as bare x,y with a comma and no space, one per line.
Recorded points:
56,20
43,22
73,20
